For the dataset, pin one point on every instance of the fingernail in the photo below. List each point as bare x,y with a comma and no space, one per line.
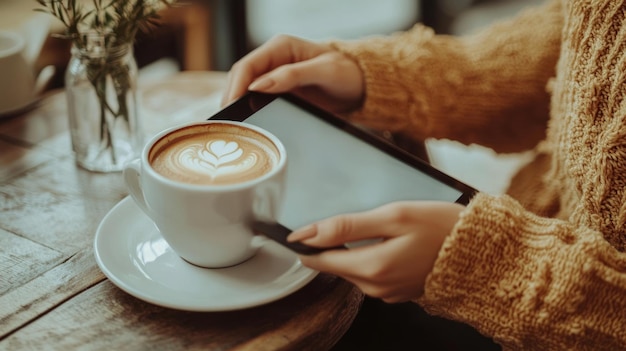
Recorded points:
303,233
262,84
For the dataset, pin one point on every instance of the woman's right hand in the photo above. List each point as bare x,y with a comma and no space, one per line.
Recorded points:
313,71
393,269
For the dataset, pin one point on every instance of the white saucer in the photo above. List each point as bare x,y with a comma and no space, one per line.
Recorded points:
132,254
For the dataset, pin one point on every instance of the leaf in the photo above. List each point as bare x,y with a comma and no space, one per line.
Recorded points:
44,11
121,18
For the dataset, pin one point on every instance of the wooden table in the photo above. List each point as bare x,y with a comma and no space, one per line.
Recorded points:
54,296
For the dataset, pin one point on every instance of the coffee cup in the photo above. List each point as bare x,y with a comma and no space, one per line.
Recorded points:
204,183
19,85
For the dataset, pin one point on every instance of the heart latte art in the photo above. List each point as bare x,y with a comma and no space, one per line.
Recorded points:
214,154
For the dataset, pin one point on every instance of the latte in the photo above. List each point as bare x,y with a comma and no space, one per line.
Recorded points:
214,154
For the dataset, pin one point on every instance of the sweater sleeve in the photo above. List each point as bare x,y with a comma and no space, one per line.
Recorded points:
488,88
530,282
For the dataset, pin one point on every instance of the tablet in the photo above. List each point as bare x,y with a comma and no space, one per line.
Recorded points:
336,167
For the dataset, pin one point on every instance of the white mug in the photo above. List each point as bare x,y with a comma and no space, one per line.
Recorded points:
208,225
19,86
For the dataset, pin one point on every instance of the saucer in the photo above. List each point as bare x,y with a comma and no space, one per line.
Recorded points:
132,254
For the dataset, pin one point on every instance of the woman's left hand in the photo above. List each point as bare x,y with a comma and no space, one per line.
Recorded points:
394,269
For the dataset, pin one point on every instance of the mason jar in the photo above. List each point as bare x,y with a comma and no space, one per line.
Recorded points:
101,88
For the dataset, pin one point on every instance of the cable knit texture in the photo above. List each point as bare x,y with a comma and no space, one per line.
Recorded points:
543,267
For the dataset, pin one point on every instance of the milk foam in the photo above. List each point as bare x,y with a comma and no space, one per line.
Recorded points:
214,157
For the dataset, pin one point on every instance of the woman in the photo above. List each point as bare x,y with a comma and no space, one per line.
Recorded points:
542,267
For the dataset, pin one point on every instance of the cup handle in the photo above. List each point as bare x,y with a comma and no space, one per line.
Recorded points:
132,178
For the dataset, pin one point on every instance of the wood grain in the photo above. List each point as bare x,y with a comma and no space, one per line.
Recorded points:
105,317
16,159
53,296
22,259
63,211
45,120
29,301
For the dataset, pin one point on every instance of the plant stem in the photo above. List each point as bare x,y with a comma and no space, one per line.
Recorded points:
106,136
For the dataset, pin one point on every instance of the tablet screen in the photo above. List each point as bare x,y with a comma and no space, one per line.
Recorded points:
331,171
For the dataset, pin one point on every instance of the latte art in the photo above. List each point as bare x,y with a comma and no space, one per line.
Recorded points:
215,159
220,155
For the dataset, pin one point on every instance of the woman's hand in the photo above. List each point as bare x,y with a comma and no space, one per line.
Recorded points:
394,269
314,71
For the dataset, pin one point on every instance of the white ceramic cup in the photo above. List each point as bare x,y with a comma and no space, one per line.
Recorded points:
18,86
207,225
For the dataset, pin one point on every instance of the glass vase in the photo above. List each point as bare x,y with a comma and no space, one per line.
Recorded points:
101,92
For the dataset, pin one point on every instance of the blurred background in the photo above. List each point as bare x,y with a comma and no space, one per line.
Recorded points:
212,34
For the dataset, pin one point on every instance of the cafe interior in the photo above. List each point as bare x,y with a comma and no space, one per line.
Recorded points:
203,38
210,35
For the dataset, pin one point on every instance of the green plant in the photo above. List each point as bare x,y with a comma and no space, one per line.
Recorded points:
117,20
99,32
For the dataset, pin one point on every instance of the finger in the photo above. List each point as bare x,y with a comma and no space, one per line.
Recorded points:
387,294
315,71
329,265
378,270
238,80
244,71
337,230
276,52
229,96
398,298
364,263
377,223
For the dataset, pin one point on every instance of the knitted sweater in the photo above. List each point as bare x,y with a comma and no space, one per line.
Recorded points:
542,267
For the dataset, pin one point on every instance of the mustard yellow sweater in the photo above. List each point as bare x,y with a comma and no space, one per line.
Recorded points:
543,267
